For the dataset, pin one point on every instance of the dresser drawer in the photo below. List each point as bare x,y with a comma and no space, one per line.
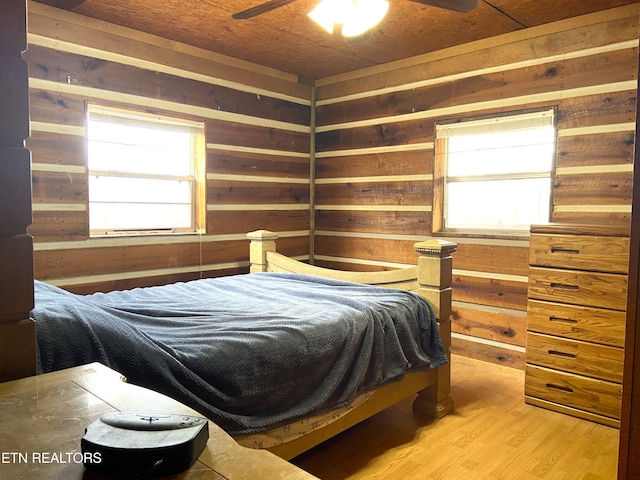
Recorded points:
593,289
598,361
589,324
580,252
596,396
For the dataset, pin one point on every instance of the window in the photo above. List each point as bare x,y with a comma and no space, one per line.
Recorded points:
145,173
494,175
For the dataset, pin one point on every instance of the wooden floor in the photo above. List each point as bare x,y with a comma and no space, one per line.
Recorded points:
492,434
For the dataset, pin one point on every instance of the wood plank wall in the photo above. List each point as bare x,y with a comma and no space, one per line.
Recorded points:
375,154
257,135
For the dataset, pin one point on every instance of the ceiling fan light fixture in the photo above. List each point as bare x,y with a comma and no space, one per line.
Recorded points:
366,15
326,13
355,16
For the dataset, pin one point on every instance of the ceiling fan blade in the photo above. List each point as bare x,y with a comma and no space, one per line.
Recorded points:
462,6
260,9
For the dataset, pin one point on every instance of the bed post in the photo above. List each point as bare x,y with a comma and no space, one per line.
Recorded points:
434,280
262,241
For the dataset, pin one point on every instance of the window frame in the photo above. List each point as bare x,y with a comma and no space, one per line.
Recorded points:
440,176
196,177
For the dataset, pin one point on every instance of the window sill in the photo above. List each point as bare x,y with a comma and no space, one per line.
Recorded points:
486,234
151,233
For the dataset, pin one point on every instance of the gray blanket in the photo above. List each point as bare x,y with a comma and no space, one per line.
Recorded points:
250,352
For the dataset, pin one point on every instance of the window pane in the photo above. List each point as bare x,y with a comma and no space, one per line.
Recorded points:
140,203
502,204
139,216
139,190
122,148
502,139
514,159
152,135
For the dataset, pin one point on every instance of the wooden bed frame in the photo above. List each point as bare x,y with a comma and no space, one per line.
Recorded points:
431,278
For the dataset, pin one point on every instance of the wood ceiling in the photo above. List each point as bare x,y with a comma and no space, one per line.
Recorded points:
287,40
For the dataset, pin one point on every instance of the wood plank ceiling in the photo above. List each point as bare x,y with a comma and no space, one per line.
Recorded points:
287,40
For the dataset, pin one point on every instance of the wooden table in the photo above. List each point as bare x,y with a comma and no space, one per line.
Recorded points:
43,418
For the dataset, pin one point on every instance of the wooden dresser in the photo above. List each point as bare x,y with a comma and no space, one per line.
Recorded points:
576,315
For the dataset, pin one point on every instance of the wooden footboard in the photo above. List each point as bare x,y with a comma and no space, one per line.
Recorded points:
431,278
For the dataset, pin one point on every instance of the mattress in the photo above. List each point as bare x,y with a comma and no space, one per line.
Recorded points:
251,352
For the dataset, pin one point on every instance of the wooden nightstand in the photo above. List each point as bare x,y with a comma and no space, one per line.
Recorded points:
43,419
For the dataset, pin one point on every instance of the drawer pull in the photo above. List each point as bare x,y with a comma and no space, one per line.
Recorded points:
565,286
570,321
560,387
561,354
565,250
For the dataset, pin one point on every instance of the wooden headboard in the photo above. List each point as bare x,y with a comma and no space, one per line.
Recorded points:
431,277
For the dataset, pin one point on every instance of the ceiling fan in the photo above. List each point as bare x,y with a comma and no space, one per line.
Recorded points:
462,6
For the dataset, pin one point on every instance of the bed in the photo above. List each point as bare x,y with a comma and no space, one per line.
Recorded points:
281,358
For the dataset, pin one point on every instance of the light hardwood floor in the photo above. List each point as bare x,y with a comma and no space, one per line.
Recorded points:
492,434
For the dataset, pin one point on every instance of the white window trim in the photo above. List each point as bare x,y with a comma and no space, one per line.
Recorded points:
444,131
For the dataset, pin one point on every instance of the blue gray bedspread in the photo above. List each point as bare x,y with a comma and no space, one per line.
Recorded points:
250,352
